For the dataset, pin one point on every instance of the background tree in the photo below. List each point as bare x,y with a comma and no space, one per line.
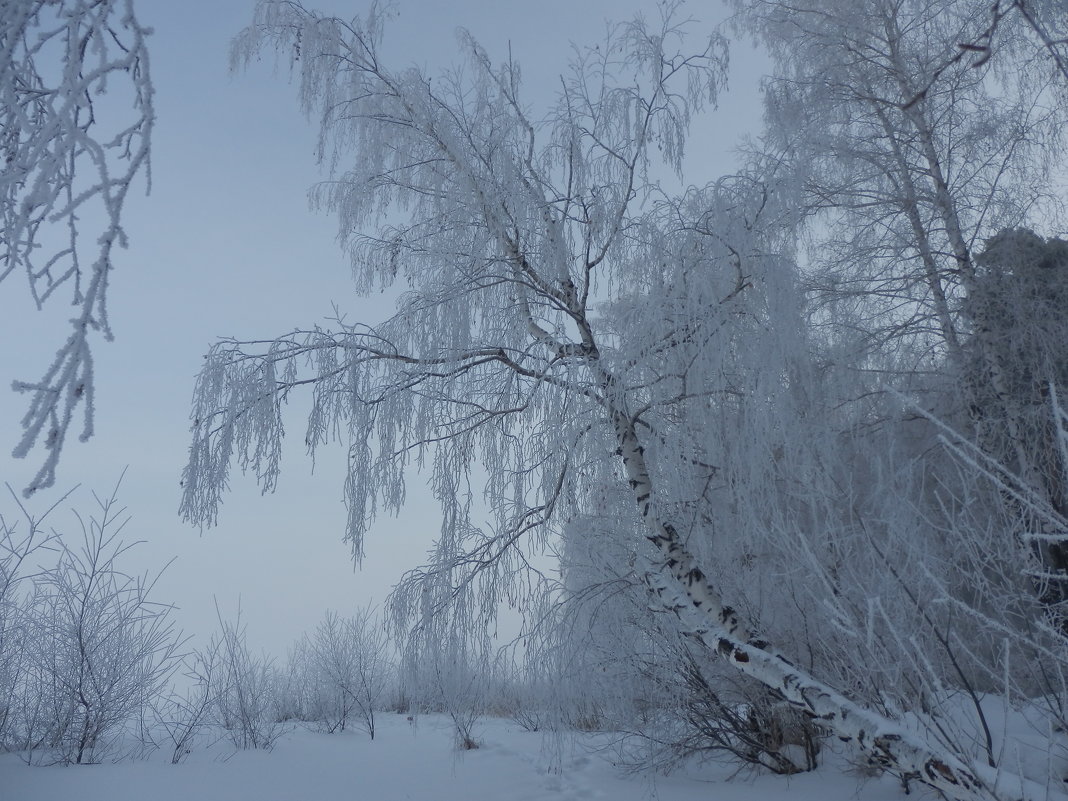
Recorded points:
1016,308
70,159
905,164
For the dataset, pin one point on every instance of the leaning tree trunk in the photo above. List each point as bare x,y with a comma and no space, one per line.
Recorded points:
716,625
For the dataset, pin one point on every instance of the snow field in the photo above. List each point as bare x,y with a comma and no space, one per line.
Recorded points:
418,761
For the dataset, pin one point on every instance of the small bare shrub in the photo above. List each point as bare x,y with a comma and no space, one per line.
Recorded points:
245,698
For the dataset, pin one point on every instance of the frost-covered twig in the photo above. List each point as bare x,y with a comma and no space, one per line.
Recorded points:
70,157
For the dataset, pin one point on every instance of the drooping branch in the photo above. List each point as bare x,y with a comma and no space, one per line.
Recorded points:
62,158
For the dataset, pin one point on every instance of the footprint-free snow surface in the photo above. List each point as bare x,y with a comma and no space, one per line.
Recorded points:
417,761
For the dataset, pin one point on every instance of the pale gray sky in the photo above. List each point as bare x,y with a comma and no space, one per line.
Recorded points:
225,245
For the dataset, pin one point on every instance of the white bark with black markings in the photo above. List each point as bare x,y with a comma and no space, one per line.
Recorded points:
708,619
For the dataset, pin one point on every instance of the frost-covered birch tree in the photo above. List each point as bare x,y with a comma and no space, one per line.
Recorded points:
71,157
906,158
563,317
919,136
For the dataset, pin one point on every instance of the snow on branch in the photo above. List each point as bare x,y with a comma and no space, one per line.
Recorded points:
70,159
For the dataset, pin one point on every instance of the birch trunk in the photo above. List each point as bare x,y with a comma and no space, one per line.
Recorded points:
712,622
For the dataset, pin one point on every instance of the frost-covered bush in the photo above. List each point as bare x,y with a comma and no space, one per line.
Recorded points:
187,718
345,669
84,649
245,698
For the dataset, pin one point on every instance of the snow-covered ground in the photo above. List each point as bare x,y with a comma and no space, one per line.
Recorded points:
419,762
